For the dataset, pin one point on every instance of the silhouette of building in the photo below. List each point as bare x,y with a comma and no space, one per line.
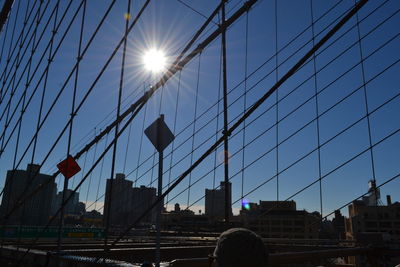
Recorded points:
128,203
37,209
371,224
184,220
121,200
365,219
215,201
280,219
71,206
338,225
142,198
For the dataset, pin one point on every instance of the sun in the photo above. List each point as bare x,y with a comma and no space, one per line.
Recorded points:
154,60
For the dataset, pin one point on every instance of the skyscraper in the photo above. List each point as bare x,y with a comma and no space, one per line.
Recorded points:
142,198
215,201
37,209
128,203
121,200
71,206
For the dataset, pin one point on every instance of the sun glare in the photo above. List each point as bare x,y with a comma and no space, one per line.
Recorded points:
154,60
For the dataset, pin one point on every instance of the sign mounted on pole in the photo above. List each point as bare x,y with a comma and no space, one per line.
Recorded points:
159,134
68,167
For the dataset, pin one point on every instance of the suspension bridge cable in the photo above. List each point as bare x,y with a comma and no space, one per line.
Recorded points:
6,76
247,114
345,72
216,128
70,130
41,78
237,14
20,124
83,179
276,100
244,101
182,63
100,175
240,83
7,110
26,150
16,148
18,39
108,209
141,137
63,87
340,166
313,120
173,130
316,112
194,125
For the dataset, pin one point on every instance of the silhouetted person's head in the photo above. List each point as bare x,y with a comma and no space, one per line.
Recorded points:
239,247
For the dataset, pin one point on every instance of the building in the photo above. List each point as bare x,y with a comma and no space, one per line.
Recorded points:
184,220
142,198
365,218
71,206
371,224
280,219
338,225
36,210
128,203
215,201
121,200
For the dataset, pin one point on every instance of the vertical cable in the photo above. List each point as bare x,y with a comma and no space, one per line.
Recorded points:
277,100
127,147
18,60
244,105
365,98
141,139
4,81
91,174
154,150
225,132
368,117
1,57
173,130
72,116
211,215
49,60
317,112
121,82
194,127
100,175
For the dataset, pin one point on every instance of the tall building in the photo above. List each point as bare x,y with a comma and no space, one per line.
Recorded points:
36,210
71,206
128,203
215,201
280,219
121,200
142,198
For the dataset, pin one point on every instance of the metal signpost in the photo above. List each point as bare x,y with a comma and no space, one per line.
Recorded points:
160,136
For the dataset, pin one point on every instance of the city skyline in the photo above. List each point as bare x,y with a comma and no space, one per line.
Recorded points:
253,171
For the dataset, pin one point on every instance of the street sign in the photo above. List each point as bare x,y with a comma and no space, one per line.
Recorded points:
159,134
68,167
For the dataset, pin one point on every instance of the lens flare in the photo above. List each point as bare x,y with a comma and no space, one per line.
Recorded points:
127,16
245,204
154,60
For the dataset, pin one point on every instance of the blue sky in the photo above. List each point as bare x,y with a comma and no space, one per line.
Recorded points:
169,25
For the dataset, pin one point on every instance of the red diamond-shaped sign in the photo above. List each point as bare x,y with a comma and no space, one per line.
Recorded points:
68,167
